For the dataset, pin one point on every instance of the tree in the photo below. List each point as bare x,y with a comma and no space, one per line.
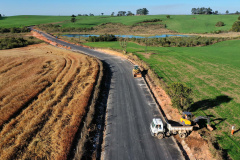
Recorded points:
194,11
145,11
121,13
209,11
130,13
202,10
216,12
0,15
73,15
146,41
237,12
112,14
102,14
123,43
236,26
180,95
227,12
73,20
139,12
142,11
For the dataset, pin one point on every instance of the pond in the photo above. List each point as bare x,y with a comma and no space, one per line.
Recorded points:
125,36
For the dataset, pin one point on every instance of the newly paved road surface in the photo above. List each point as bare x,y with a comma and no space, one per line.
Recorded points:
130,110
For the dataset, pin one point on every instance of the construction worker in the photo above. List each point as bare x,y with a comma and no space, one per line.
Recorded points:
233,128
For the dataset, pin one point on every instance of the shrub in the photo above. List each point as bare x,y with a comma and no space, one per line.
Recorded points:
102,38
152,20
168,16
239,18
8,43
236,26
219,24
180,95
178,41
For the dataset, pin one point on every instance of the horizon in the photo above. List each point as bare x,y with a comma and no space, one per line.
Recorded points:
66,8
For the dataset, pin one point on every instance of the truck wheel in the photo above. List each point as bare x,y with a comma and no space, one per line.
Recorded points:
183,135
168,134
160,136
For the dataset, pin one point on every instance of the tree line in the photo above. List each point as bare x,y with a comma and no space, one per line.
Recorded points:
14,30
203,10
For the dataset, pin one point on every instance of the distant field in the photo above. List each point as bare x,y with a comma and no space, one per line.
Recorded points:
43,98
28,20
178,23
213,72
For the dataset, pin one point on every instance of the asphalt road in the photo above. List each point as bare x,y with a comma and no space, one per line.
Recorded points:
130,110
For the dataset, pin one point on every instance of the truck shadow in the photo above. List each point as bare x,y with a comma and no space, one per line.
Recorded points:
209,103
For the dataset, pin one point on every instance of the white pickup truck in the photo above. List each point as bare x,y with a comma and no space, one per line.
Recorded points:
158,129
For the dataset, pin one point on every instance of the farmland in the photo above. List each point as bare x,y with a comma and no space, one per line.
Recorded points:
213,73
28,20
177,23
44,95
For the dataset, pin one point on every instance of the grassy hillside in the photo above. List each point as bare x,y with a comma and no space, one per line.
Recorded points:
199,23
213,72
178,23
28,20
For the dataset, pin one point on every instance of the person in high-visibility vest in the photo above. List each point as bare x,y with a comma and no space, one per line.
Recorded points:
233,128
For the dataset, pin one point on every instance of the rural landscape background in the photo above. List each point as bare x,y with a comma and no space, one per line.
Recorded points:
45,91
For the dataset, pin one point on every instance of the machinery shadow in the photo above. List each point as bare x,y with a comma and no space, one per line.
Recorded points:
210,103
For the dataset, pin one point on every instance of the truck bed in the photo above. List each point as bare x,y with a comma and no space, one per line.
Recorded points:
175,126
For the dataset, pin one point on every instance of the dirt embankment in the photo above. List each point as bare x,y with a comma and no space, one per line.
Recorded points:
39,36
44,95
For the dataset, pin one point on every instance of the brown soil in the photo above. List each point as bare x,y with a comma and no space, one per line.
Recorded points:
39,36
43,98
194,145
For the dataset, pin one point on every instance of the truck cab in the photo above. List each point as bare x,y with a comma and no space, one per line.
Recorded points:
157,128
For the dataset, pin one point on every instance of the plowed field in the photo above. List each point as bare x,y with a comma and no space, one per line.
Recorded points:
44,92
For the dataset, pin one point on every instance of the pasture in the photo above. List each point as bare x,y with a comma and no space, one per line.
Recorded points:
29,20
213,73
177,23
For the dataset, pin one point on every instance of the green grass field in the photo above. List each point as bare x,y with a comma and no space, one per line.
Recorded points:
178,23
28,20
213,72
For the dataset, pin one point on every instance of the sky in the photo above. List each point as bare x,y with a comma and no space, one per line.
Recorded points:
96,7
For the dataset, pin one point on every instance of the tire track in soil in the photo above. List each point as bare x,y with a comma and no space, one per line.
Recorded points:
41,124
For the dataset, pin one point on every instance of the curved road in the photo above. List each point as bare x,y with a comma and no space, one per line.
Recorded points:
130,110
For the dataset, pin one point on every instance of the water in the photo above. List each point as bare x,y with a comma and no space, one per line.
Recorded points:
124,36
